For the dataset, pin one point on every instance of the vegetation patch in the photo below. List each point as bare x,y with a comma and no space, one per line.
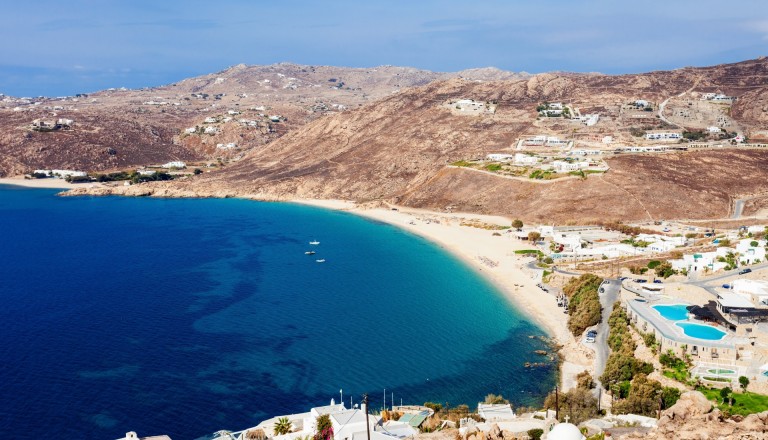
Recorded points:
584,308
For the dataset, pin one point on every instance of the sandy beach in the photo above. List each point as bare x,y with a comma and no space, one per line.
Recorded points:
41,183
492,257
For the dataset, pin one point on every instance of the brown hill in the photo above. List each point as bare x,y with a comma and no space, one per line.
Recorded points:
146,126
398,149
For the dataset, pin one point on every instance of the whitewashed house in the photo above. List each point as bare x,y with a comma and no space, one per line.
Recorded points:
714,129
499,157
663,136
348,424
525,159
749,254
190,130
702,261
211,130
210,120
174,164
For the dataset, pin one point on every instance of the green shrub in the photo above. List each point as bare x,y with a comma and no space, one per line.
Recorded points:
584,307
535,434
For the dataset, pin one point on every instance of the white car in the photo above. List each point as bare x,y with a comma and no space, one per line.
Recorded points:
589,340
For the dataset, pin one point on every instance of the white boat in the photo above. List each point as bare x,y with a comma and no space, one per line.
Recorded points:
309,253
314,242
322,260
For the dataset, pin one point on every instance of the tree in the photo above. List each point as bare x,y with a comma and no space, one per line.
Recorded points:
282,426
534,236
753,243
725,394
578,404
517,224
198,171
743,382
664,270
495,399
324,430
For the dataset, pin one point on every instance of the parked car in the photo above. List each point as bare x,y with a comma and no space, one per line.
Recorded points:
592,333
726,286
641,281
658,281
743,271
606,282
589,340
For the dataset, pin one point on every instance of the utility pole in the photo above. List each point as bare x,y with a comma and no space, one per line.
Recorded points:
557,405
367,425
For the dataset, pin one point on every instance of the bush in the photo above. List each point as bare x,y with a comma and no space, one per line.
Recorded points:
584,380
584,303
535,434
578,403
653,264
621,364
495,399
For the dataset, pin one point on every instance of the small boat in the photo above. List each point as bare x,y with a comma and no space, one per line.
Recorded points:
322,260
314,242
309,253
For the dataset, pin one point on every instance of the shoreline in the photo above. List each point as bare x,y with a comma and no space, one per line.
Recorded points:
491,257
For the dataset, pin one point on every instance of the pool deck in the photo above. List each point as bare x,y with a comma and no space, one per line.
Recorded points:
675,333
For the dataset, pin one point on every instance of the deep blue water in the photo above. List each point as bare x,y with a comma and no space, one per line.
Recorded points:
188,316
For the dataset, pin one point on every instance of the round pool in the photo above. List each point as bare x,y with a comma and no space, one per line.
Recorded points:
672,312
701,331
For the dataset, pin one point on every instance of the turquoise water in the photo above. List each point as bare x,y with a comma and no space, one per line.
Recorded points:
188,316
701,331
672,312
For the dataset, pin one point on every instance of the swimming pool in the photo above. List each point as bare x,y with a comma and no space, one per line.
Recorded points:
701,331
672,312
721,371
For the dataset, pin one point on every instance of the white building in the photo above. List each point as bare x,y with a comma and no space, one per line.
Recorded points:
610,251
348,424
210,120
525,159
61,173
211,130
641,103
175,164
663,136
498,157
190,130
495,412
228,146
590,119
607,139
561,166
702,261
749,254
714,129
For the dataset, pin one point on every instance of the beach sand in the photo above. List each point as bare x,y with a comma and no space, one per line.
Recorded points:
41,183
492,257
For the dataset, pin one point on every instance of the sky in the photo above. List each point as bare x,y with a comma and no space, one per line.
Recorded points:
58,48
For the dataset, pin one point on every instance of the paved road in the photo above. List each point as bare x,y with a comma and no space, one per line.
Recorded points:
608,298
738,207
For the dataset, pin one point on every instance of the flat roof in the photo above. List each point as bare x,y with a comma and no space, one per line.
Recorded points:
734,300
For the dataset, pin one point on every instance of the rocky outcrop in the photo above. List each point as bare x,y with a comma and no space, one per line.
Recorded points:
692,418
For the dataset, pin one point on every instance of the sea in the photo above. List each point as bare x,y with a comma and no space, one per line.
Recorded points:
187,316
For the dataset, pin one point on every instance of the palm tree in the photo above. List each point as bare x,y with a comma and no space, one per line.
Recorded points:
282,426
